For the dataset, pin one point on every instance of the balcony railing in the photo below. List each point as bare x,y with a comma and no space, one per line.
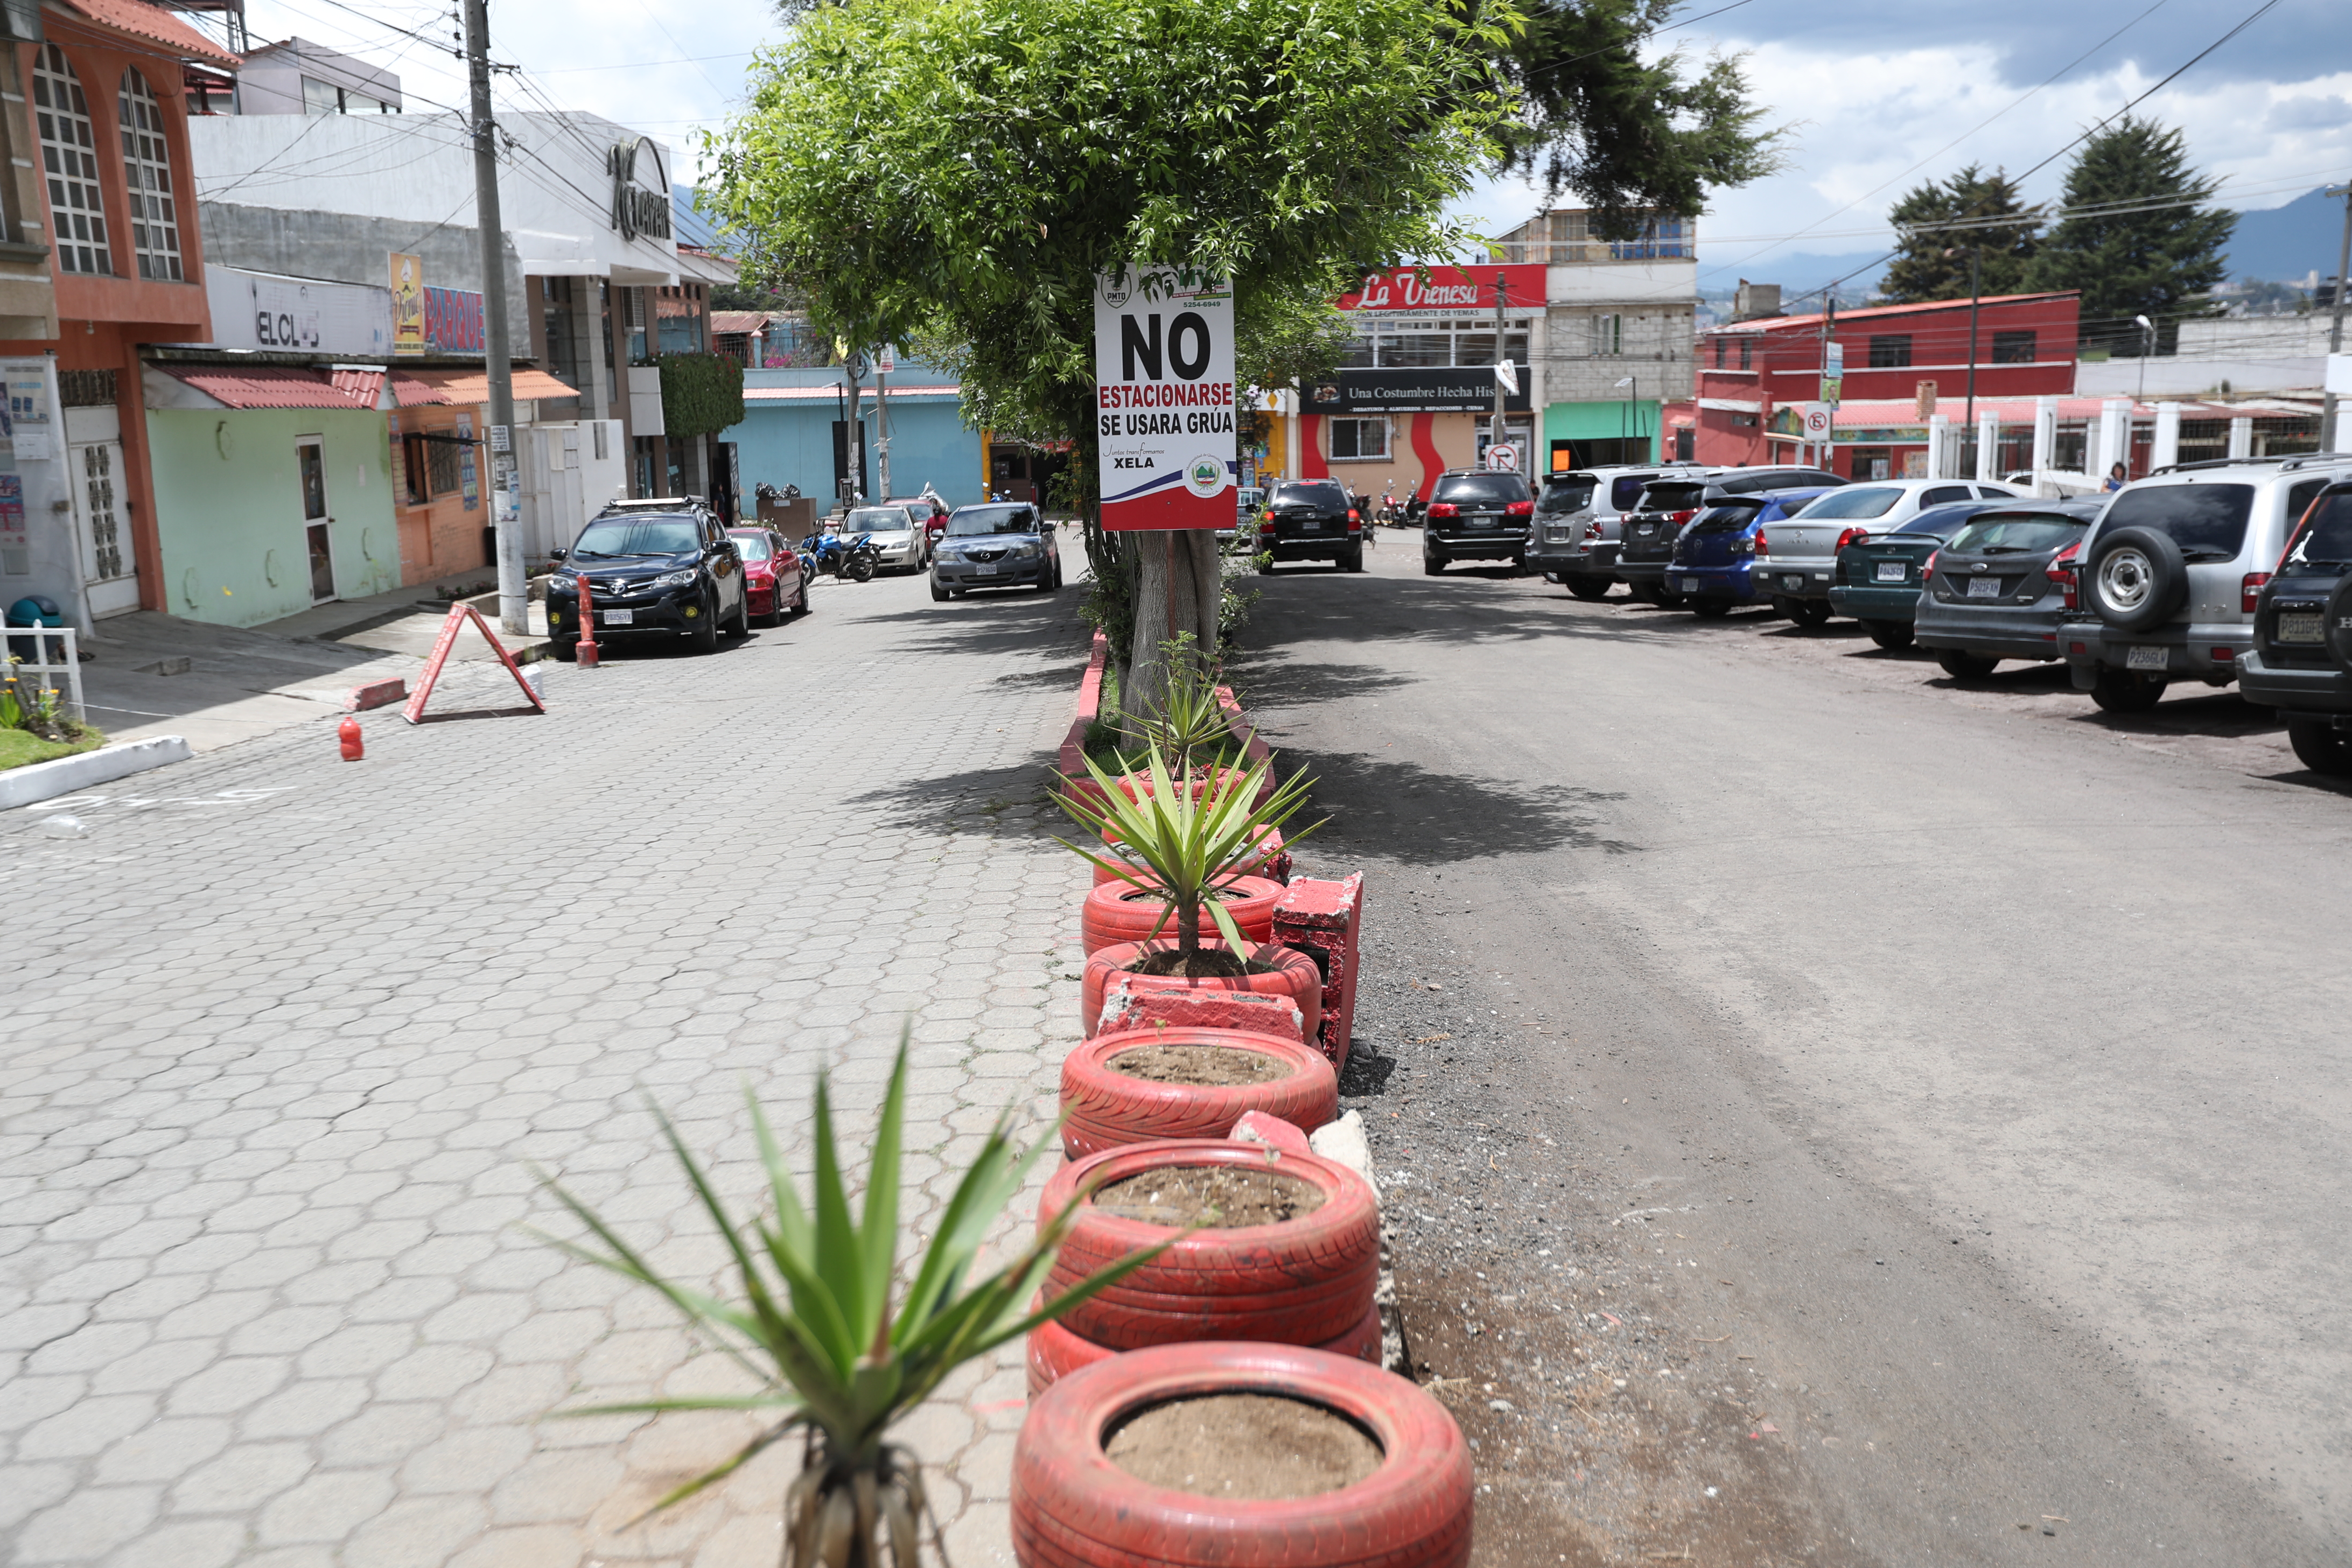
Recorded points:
1565,239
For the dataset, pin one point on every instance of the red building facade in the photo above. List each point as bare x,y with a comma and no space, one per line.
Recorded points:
1752,375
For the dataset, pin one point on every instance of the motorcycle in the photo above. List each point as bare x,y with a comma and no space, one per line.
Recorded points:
853,559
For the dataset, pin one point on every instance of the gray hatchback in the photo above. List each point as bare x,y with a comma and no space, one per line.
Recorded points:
1992,594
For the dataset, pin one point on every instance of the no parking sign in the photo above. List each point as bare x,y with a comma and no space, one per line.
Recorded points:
1817,422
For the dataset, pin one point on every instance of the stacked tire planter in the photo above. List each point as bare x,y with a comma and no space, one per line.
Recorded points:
1282,1309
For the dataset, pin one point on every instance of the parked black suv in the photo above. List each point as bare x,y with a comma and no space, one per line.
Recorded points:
1647,538
1478,515
2301,663
650,571
1310,519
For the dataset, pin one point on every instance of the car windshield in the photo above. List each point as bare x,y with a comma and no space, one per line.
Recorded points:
1319,492
878,520
618,536
1865,501
1567,495
1678,497
752,546
2016,533
1730,517
970,520
1474,488
2327,538
2207,520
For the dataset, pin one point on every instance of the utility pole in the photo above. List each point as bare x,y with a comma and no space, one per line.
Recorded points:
1976,302
882,368
1494,432
506,495
2331,435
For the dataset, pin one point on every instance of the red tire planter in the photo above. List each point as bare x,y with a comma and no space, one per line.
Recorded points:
1270,859
1054,1352
1292,974
1105,1109
1072,1508
1299,1282
1121,911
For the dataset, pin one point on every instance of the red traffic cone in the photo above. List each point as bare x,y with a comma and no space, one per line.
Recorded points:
348,732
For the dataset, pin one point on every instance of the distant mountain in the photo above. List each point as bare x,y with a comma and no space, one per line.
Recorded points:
1796,272
2284,244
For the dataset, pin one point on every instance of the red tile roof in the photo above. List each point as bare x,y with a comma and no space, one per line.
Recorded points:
469,387
361,386
407,392
1869,312
157,25
265,386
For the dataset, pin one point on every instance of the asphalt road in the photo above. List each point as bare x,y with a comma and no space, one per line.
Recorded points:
1986,1049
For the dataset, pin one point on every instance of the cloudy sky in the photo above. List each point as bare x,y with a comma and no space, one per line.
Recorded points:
1874,99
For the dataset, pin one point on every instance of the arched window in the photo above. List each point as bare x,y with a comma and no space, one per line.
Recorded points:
147,170
69,161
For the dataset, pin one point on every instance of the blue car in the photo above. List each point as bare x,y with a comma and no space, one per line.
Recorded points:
1713,561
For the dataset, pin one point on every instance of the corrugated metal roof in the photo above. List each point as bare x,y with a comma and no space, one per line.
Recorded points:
157,25
738,323
265,386
1878,312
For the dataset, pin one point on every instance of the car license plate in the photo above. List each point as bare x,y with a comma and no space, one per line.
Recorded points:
1984,587
2143,657
1793,580
986,571
1890,571
2300,627
619,617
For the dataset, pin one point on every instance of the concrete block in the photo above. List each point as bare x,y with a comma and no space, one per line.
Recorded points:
1257,1127
1324,921
376,694
1343,1143
1125,1008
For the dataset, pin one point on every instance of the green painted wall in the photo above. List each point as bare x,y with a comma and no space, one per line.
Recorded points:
1598,421
229,509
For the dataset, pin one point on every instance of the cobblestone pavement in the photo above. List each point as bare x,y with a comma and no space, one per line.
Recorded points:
284,1037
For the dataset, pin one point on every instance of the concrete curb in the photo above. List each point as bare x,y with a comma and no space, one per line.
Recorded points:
63,776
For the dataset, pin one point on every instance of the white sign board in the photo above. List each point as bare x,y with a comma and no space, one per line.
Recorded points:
1164,398
1502,457
300,315
2339,376
1817,422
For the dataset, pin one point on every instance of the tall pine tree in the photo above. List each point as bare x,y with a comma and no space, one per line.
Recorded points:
1943,232
2157,262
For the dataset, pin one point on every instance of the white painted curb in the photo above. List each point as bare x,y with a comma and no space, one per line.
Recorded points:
67,775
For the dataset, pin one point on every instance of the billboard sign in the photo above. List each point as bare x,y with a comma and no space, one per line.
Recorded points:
407,303
1446,288
1410,389
1164,398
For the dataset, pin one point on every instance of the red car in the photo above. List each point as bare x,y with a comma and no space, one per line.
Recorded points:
772,582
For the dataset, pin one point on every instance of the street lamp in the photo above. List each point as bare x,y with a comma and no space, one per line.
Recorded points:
1625,414
2147,347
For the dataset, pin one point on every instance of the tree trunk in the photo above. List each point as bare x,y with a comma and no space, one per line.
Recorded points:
1177,590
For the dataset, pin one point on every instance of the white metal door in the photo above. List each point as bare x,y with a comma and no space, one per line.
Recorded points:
110,570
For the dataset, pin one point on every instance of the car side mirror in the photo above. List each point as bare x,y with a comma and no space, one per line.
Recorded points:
558,553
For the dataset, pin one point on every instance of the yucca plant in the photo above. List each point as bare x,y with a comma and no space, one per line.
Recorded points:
818,1330
1182,846
1187,722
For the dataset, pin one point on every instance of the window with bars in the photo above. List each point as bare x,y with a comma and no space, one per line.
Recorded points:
147,170
1608,335
1357,439
69,163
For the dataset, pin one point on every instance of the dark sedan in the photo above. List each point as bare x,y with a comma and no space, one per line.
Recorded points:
1878,574
651,575
1996,589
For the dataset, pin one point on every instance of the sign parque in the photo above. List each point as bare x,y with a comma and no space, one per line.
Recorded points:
1164,398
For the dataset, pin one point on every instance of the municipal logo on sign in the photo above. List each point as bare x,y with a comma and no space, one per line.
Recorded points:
1205,475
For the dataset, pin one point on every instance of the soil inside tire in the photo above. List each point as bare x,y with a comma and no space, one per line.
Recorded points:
1209,964
1218,1065
1257,1447
1216,1197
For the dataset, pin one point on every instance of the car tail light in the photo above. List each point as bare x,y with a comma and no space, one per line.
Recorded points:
1266,524
2060,571
1853,536
1763,546
1520,508
1927,567
1682,516
1352,518
2250,592
2224,655
1444,508
1592,530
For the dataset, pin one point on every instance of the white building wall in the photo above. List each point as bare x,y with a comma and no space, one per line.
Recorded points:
1654,304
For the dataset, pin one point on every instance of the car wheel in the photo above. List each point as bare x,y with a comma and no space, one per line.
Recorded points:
1045,583
1057,575
1808,613
1890,635
704,634
1432,564
1353,561
742,625
1711,609
1518,565
1667,599
1965,665
2127,691
1587,587
2323,748
938,592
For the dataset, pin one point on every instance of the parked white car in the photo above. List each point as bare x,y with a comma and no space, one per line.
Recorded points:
901,543
1796,561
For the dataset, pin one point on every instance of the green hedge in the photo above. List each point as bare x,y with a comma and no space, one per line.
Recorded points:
701,393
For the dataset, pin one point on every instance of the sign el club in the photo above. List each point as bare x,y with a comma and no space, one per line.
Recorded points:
1164,398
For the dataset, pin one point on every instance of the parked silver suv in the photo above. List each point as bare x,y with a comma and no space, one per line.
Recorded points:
1579,516
2170,575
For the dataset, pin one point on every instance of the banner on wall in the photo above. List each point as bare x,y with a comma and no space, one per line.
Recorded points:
407,303
1164,398
1410,389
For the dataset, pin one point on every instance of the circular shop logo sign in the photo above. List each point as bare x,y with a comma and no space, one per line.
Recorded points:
1205,475
1115,291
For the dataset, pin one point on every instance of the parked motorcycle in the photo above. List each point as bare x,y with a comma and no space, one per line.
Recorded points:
853,559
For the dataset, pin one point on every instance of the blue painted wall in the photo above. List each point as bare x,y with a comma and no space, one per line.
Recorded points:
791,443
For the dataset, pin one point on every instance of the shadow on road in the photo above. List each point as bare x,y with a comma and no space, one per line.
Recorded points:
1425,818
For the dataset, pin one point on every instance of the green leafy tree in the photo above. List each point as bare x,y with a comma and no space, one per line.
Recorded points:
2157,261
1947,228
1628,135
962,171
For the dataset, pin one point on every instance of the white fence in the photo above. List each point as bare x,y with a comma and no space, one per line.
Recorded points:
46,652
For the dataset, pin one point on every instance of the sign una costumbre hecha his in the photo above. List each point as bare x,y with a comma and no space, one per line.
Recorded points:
1164,398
